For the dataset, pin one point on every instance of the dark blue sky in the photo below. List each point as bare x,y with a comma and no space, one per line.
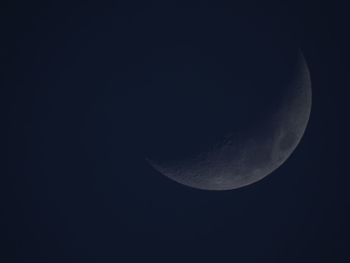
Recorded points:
89,88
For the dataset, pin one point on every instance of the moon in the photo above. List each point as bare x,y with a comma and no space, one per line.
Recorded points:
243,158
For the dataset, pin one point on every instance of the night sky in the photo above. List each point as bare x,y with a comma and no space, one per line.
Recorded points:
91,89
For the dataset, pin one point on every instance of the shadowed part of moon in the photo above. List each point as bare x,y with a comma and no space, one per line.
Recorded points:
247,157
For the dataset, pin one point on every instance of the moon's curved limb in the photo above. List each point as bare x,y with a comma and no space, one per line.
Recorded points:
242,159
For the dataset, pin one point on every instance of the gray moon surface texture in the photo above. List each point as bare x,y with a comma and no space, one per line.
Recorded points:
242,159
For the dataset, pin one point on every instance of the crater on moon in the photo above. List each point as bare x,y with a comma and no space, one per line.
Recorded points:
287,141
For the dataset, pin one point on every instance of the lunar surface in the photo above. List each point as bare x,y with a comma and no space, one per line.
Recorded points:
246,157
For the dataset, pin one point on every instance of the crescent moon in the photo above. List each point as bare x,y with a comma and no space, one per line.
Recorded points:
245,158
